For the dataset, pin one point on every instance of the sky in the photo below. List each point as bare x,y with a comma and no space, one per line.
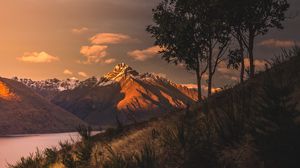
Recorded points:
43,39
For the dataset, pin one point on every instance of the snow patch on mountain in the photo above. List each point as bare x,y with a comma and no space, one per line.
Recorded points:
50,84
119,73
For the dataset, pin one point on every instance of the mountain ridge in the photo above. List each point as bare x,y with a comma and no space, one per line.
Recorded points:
126,94
22,111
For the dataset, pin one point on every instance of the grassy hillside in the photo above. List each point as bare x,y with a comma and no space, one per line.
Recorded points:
250,125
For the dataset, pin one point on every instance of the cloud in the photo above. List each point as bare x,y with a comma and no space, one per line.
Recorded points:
73,78
278,43
142,55
233,75
94,53
190,86
162,75
109,38
110,61
83,74
222,68
68,72
80,30
204,87
260,65
37,57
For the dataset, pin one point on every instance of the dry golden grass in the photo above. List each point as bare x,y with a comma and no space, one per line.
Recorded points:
58,165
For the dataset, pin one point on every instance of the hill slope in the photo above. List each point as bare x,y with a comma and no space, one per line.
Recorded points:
23,111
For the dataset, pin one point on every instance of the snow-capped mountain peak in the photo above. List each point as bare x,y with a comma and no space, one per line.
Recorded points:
120,71
50,84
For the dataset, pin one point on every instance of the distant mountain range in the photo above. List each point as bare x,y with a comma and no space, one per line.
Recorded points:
50,87
123,94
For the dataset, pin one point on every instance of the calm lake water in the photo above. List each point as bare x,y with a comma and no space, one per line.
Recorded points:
12,148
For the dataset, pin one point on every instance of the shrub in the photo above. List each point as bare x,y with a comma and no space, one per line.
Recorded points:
51,156
33,161
277,135
66,155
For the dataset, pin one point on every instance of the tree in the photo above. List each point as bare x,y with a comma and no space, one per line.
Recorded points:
192,32
216,35
233,17
178,32
255,18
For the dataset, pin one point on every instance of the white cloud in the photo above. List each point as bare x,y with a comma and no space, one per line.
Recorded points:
109,38
278,43
142,55
94,53
80,30
83,74
68,72
37,57
110,61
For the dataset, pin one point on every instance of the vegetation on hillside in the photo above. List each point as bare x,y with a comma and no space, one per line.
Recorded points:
199,34
230,129
253,124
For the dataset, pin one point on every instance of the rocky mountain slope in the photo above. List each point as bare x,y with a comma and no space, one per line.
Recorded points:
23,111
124,94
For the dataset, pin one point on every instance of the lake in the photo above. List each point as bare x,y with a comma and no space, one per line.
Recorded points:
12,148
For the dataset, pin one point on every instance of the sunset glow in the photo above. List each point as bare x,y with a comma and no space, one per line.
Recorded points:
5,93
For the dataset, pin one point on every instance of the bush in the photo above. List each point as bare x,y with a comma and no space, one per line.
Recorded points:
66,155
51,156
33,161
277,136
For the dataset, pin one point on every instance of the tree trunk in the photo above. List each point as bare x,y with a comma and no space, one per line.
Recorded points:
210,73
251,56
242,74
199,84
242,69
209,85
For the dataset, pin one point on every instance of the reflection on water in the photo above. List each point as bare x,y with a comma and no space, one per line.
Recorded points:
12,148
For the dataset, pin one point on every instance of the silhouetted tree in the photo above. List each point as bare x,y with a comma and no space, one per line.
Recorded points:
215,31
250,19
236,61
178,32
193,32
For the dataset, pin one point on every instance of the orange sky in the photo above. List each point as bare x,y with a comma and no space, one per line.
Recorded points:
80,38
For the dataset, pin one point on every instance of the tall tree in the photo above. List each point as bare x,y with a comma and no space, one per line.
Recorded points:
192,32
234,17
254,18
178,32
217,32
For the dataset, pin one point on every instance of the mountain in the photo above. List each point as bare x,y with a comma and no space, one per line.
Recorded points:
50,87
22,111
124,94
